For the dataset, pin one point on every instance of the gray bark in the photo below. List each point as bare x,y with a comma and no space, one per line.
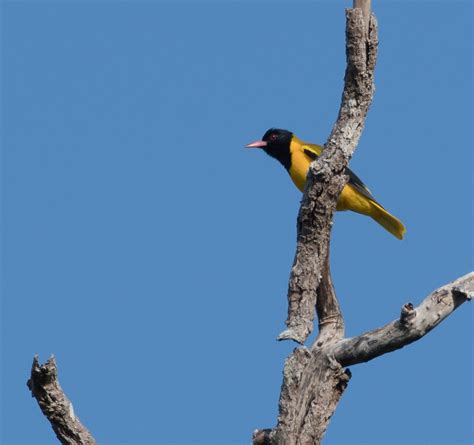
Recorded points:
54,404
365,7
326,176
314,378
413,324
313,381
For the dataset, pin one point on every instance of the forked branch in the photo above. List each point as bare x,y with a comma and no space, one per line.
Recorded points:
326,177
313,381
314,378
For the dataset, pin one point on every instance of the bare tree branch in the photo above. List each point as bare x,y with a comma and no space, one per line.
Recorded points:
54,404
330,321
326,177
314,379
365,7
413,324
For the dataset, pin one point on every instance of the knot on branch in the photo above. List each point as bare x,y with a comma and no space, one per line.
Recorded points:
344,379
262,437
464,291
408,314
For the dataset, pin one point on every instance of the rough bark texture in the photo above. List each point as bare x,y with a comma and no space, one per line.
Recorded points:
364,6
330,321
313,381
314,378
54,404
326,177
413,324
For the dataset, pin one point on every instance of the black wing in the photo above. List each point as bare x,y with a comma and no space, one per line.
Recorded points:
354,180
311,154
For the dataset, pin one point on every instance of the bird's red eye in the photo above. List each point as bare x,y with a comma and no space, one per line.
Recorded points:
273,137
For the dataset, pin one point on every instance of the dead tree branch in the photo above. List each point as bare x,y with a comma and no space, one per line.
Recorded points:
313,381
326,177
314,378
54,404
413,324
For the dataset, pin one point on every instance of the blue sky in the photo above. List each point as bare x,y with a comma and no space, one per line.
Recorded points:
150,252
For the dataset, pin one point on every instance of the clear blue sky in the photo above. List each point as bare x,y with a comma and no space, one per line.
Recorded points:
150,252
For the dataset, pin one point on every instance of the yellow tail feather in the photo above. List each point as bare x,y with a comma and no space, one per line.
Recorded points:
387,221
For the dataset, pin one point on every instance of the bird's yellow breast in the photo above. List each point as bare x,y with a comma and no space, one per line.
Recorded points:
355,195
299,169
349,198
300,161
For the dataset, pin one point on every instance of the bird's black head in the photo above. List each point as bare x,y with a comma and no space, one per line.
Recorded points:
276,143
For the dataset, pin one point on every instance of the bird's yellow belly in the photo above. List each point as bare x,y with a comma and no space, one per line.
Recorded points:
349,199
298,176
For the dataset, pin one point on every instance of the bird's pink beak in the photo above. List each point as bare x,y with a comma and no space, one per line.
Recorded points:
257,144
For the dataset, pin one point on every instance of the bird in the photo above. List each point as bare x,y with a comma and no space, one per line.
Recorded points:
296,156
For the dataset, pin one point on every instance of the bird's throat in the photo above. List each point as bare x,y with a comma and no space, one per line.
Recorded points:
281,154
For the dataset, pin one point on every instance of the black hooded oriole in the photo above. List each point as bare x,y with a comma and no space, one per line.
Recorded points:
296,156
